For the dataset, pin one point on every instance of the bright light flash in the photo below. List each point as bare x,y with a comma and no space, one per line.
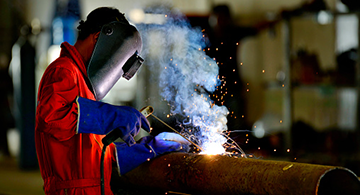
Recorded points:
213,148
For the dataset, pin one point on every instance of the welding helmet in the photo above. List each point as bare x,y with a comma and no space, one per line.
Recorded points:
116,55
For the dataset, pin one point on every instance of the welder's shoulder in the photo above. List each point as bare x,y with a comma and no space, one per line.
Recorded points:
60,70
63,63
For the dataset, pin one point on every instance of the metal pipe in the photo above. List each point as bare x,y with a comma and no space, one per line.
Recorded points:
218,174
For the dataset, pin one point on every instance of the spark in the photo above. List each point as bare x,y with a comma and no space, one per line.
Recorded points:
263,71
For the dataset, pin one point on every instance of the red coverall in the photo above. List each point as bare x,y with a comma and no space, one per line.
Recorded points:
69,162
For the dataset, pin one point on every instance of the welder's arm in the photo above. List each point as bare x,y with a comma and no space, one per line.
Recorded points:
101,118
56,112
149,147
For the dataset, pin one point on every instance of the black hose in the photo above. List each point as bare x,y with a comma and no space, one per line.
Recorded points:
102,170
108,139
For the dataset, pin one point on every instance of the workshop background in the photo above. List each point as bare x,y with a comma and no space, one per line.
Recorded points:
299,72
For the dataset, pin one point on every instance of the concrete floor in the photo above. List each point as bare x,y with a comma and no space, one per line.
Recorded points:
14,181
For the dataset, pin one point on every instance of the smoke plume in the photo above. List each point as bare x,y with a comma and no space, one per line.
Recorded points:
187,78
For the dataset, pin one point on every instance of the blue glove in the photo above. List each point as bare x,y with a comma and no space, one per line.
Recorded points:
149,147
173,137
101,118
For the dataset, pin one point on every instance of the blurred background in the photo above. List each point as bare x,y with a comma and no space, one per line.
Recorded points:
295,63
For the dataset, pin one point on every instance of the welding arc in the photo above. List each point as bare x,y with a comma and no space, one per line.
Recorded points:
177,132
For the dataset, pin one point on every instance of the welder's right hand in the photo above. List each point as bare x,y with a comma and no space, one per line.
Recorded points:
101,118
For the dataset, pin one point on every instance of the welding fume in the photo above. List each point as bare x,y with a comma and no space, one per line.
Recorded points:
71,120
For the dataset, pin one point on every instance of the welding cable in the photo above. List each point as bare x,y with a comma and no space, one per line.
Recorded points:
102,170
107,140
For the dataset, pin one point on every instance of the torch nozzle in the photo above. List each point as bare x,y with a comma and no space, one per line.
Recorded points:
147,111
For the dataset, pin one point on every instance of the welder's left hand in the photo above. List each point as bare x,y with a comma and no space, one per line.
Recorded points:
169,136
149,147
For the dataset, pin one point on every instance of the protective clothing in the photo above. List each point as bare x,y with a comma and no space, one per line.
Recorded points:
115,55
147,148
101,118
69,162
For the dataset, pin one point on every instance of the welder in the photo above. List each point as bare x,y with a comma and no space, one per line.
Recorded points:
71,121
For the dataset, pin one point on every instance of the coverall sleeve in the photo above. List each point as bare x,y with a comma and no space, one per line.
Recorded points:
57,110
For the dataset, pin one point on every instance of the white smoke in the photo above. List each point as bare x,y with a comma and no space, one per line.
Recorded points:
187,78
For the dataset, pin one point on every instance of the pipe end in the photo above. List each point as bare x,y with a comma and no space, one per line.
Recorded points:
338,181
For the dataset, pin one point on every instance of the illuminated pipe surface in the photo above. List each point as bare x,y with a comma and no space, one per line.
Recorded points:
217,174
